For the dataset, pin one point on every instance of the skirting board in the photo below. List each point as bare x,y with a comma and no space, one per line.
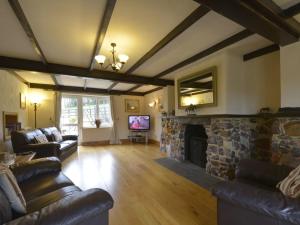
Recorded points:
106,142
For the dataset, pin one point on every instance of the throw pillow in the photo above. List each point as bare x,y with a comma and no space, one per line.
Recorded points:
41,139
10,187
57,136
290,186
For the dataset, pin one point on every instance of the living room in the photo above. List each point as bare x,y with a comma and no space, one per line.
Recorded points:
149,112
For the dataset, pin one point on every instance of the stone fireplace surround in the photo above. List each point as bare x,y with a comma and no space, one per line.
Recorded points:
268,137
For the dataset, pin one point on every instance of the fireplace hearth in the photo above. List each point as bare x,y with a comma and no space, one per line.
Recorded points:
195,139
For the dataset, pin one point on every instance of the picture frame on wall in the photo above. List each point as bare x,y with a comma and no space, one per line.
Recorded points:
22,101
132,105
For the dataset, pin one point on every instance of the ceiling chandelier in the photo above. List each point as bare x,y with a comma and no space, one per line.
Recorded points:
116,63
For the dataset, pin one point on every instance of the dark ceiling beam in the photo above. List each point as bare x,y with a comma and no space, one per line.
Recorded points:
194,92
81,90
153,90
135,87
291,11
30,65
225,43
206,85
112,86
109,8
261,52
15,74
16,7
243,13
185,24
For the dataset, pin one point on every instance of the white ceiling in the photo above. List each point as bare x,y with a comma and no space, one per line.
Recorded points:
137,25
66,31
13,40
36,77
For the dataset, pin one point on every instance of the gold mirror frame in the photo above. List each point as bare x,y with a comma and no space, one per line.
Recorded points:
203,73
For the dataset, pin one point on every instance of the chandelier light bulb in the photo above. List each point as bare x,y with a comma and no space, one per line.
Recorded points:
123,58
100,59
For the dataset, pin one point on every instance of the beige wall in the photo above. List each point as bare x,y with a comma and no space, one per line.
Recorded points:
121,117
290,75
11,88
242,87
45,111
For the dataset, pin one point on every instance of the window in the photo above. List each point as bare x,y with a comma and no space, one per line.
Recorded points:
82,111
69,115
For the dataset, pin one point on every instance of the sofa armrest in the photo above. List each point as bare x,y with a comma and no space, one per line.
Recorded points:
44,150
262,172
25,170
79,208
261,200
70,137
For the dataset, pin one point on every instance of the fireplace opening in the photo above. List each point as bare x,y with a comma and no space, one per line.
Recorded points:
195,144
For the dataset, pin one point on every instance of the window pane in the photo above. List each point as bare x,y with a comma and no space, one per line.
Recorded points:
104,111
89,106
69,115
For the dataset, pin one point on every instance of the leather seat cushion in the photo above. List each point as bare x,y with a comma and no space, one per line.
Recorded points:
65,145
47,199
43,184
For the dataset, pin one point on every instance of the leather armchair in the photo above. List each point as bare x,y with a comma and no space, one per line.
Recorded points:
252,198
53,199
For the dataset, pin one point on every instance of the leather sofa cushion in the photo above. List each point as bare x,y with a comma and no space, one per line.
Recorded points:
43,184
30,136
47,199
269,203
64,145
5,209
48,131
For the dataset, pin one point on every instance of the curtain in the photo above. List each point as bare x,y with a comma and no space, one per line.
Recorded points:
114,137
58,110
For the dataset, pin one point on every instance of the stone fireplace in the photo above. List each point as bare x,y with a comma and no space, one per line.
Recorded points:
231,138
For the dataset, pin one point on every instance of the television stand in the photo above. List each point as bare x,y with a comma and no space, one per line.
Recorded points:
138,136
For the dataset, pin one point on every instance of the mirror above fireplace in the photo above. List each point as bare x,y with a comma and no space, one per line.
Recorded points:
199,89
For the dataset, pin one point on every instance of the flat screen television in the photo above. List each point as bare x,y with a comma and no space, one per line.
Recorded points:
139,122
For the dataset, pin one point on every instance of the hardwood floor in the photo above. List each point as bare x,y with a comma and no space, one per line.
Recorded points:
144,192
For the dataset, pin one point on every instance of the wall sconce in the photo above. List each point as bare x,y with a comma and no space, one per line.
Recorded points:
152,104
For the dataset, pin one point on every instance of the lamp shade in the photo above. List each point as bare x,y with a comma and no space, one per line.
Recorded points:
123,58
100,59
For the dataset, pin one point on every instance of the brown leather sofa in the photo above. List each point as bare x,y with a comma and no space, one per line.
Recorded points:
24,141
52,198
252,198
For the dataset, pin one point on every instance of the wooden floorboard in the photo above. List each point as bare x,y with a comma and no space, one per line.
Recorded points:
144,192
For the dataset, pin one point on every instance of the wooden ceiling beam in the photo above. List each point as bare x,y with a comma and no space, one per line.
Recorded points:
16,7
179,29
21,79
185,24
244,13
81,90
225,43
109,8
30,65
260,52
291,11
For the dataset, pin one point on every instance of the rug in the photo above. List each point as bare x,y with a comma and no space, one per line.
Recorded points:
190,171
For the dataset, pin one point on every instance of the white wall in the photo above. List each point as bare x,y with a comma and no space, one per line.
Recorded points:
242,87
11,88
262,77
290,75
121,117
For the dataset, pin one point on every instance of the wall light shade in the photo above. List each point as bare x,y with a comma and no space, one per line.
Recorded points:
152,104
100,59
123,58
